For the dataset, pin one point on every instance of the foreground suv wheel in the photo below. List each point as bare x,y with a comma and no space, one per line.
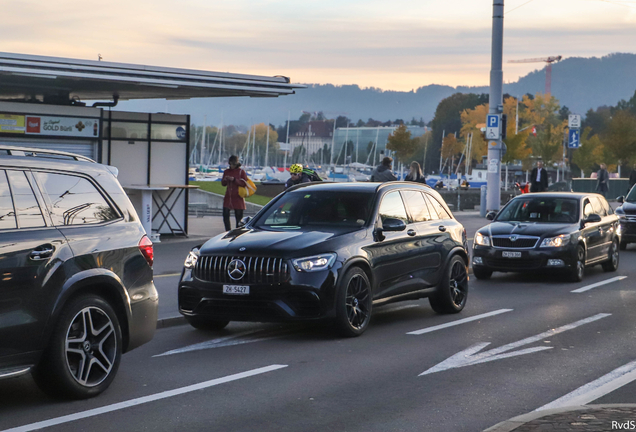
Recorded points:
353,303
200,323
452,292
84,351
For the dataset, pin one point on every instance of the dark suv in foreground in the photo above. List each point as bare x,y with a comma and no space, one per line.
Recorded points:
330,250
76,285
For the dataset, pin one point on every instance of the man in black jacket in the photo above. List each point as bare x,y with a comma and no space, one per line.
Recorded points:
539,178
632,178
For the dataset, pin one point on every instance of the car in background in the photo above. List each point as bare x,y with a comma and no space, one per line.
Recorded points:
76,281
330,251
627,218
560,231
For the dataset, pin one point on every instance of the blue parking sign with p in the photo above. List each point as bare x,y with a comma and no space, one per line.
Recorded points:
574,138
493,121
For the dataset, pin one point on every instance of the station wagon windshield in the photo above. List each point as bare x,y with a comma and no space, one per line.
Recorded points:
307,209
541,209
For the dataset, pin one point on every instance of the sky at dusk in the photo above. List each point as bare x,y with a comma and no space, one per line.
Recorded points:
397,45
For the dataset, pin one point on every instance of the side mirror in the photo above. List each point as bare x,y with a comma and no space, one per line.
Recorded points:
593,218
244,221
491,215
391,224
620,199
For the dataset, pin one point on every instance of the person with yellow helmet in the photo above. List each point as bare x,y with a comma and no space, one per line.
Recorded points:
297,176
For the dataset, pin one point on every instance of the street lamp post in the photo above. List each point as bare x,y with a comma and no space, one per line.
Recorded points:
493,197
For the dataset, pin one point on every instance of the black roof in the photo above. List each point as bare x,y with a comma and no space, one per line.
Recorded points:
576,195
358,186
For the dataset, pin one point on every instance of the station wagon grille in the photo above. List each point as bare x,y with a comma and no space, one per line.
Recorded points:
258,270
519,241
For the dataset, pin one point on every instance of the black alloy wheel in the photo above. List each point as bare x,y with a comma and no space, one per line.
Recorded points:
577,273
482,273
613,258
452,292
84,351
208,324
353,303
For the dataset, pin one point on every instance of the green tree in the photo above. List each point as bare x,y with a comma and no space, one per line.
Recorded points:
621,137
589,154
401,143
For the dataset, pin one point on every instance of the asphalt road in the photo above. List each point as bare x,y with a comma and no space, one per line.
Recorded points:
521,343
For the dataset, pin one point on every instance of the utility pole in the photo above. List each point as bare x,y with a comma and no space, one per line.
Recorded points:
493,197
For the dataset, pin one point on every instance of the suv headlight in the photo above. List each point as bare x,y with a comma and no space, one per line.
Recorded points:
314,263
557,241
191,259
482,240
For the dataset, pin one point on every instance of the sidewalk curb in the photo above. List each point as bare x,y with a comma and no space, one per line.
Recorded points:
170,322
515,422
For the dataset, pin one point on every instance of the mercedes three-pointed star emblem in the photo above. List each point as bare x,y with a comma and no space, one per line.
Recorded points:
236,269
513,238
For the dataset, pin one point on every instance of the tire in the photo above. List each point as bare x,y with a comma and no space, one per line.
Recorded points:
623,246
611,264
87,329
482,273
207,324
353,303
577,273
452,292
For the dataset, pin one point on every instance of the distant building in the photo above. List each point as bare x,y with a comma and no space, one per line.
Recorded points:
313,136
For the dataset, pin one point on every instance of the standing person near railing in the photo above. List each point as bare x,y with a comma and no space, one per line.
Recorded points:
415,174
602,180
233,177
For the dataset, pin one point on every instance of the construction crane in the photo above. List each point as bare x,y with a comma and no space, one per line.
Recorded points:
548,69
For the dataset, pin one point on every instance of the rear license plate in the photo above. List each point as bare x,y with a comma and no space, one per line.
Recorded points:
236,289
511,254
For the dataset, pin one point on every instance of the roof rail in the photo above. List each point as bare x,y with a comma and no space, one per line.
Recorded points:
35,152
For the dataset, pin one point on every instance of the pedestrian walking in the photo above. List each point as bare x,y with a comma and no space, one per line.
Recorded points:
602,180
539,178
382,173
233,178
415,173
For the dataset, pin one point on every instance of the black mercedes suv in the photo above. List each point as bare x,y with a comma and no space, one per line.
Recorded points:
330,251
76,283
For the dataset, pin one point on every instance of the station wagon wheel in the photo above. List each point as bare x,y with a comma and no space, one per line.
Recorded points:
452,291
577,273
84,351
353,303
613,258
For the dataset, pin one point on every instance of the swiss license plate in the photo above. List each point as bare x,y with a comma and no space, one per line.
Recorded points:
236,289
506,254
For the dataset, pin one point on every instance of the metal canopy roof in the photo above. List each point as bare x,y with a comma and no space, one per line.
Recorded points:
25,77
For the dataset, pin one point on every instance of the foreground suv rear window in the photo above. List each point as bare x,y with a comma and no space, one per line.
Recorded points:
74,200
306,208
7,214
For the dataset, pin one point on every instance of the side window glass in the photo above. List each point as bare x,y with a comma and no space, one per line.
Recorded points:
26,205
431,209
415,201
598,207
74,200
441,211
587,209
393,207
7,212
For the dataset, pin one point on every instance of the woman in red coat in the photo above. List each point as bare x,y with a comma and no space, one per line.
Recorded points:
233,178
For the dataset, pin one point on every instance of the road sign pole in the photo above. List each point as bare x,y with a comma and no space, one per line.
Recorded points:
493,199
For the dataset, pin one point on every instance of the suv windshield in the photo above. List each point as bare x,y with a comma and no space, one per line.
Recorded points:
631,196
540,209
307,208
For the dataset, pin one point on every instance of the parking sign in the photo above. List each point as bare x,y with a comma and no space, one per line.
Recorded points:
492,126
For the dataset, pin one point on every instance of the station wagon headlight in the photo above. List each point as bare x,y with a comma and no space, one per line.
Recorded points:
482,240
191,259
314,263
558,241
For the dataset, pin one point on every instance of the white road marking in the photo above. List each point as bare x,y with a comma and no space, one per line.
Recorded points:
597,388
143,400
598,284
470,357
458,322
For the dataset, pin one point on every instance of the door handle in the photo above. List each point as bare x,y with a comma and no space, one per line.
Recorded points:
442,228
41,252
411,232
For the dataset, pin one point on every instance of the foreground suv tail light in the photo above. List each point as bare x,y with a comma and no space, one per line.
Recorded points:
145,247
